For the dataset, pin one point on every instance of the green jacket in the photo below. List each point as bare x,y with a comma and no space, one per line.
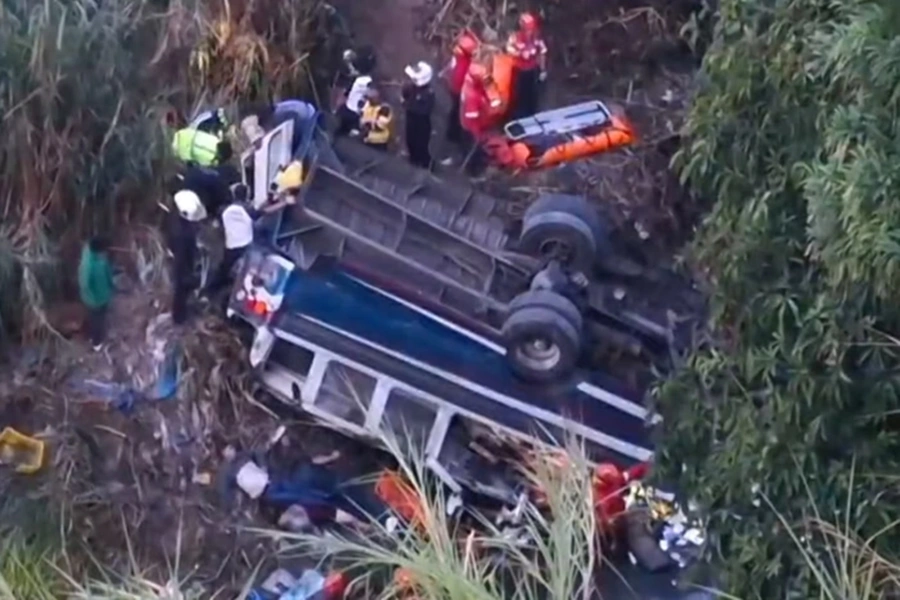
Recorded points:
95,278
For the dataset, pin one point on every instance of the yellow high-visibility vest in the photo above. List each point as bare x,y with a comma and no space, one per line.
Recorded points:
379,124
191,145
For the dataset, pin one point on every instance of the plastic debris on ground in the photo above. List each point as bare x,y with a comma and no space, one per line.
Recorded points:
311,585
681,536
164,357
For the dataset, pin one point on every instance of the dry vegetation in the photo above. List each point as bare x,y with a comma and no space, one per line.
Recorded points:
89,86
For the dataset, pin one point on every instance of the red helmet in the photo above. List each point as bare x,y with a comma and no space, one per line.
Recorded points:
466,45
528,22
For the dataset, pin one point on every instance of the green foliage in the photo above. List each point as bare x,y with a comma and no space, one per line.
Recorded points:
796,137
30,549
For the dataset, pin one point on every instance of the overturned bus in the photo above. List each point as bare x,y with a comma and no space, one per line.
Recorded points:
392,300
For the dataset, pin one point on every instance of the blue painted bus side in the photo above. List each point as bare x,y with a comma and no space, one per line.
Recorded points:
338,300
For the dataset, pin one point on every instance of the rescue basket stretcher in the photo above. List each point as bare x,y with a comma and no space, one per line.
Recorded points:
552,137
560,136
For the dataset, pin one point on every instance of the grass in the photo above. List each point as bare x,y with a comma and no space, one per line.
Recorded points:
840,564
561,559
37,563
450,562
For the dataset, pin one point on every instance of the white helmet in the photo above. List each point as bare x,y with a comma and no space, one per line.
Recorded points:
420,73
189,206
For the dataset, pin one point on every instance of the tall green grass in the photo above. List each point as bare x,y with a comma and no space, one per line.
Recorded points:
840,564
482,564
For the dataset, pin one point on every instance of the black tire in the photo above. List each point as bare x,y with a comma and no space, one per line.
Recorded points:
563,221
561,339
549,299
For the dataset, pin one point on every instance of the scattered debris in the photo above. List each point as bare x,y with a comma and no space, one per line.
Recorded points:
311,585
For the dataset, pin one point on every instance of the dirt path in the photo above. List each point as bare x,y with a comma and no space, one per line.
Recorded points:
392,28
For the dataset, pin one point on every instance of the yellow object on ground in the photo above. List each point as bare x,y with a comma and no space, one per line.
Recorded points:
24,452
291,178
377,119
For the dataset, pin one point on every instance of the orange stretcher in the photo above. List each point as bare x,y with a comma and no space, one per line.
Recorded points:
552,137
560,136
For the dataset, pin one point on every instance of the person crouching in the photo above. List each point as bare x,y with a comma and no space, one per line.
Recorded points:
376,121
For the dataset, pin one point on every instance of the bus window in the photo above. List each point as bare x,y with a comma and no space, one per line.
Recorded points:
346,393
469,457
409,419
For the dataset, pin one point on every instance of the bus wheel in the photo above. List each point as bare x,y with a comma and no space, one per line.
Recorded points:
566,228
549,299
542,346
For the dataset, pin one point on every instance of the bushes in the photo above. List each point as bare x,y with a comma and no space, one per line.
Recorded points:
795,138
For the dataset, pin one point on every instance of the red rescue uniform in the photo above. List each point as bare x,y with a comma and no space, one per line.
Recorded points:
610,487
475,110
478,105
527,48
455,75
460,62
528,51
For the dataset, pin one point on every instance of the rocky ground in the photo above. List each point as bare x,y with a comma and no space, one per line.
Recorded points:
146,478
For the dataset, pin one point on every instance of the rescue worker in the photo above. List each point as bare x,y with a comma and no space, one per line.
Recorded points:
200,147
359,80
405,584
238,221
376,121
182,236
610,488
530,68
211,184
418,102
476,107
271,116
455,74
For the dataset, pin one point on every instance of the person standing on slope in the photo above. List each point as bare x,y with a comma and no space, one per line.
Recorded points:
96,287
455,75
418,102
